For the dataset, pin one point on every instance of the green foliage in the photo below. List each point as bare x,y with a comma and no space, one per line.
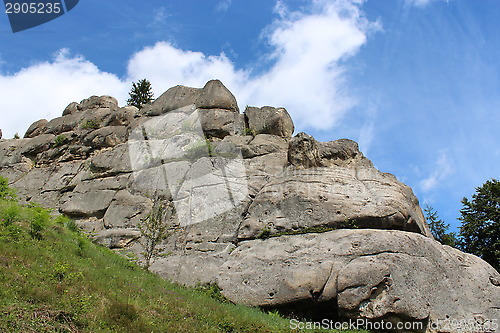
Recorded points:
201,148
155,228
264,234
91,124
10,213
210,148
480,229
213,290
38,220
250,131
16,136
140,94
5,191
67,223
60,140
439,229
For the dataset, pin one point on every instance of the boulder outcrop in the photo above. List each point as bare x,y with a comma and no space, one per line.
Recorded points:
276,221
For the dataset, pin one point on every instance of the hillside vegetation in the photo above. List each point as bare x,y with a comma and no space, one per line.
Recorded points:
53,279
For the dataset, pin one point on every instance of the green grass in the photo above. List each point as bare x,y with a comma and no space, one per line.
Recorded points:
53,279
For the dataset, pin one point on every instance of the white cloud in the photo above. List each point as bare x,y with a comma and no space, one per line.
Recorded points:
43,90
305,71
165,66
441,170
307,76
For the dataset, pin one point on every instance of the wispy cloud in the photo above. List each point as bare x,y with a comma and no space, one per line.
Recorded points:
160,17
306,71
420,3
441,169
223,5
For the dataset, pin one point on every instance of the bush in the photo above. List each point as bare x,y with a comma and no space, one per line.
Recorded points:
39,218
5,191
9,213
91,124
249,131
60,140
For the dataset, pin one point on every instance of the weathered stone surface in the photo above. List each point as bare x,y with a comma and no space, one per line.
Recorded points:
126,210
354,195
112,162
117,238
262,169
109,136
264,144
91,203
98,102
342,149
220,123
10,152
36,128
123,116
72,107
215,95
368,273
38,144
231,145
269,120
174,98
303,151
63,124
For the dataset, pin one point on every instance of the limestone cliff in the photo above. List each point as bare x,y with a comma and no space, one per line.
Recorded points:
275,220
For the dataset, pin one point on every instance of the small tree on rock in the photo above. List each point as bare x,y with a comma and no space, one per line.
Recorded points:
140,94
155,229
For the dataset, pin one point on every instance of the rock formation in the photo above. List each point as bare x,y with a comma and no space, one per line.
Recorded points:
275,220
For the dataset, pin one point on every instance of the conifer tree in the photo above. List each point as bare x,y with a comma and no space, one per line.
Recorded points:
140,94
480,230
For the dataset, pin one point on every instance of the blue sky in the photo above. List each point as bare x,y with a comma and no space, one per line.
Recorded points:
415,82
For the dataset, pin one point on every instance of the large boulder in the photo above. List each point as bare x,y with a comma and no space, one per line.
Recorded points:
98,102
214,95
220,123
174,98
353,195
372,274
36,128
72,107
269,120
303,151
106,137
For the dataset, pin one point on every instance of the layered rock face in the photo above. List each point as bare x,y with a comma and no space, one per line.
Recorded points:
275,220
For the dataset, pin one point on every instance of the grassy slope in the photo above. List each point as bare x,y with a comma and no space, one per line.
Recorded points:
53,279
